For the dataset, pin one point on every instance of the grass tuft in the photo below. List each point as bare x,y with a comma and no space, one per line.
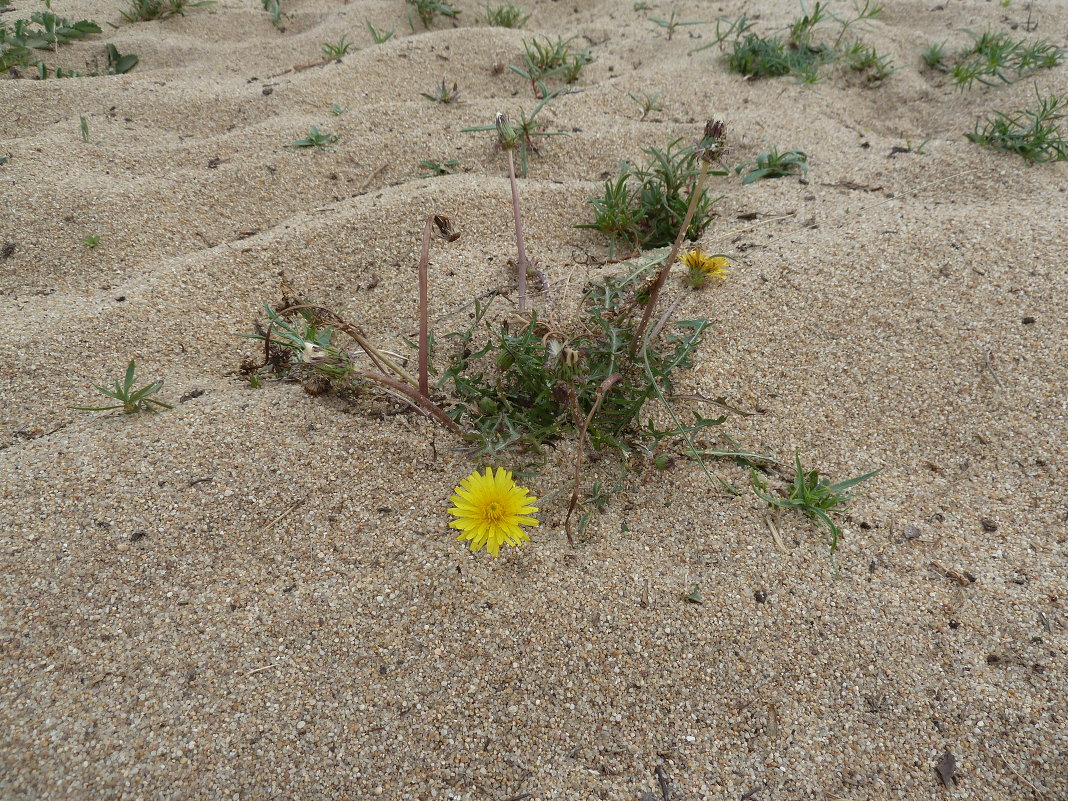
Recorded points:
1034,134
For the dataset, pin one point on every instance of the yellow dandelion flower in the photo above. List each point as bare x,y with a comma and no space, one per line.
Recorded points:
490,510
703,266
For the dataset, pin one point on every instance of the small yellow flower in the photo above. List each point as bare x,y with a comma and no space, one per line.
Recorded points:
490,510
703,266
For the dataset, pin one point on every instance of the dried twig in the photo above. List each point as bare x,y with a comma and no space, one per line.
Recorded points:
424,262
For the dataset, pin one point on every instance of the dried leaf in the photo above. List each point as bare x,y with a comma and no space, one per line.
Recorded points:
947,769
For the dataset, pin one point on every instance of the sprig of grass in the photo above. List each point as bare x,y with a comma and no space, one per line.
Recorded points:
1034,134
673,22
443,94
648,103
129,399
813,496
507,15
773,164
336,50
91,241
317,138
438,168
274,11
380,37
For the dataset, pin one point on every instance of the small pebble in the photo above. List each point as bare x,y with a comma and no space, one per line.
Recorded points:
988,524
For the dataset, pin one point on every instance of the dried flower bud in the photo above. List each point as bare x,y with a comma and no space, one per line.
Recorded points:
314,354
506,135
713,145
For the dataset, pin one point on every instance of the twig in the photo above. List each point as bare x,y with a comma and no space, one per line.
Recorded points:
602,390
275,522
424,262
261,669
665,784
1040,793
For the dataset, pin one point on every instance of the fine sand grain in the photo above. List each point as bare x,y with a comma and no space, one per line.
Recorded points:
255,595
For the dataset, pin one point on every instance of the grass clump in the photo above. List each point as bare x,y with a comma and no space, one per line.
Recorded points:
648,103
145,10
773,164
644,205
544,59
507,15
813,496
130,400
996,58
1034,134
815,38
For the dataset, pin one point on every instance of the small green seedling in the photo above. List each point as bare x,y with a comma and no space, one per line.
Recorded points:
85,128
811,495
337,109
274,11
380,37
120,63
673,22
91,241
438,168
1033,134
336,50
934,56
317,138
648,103
443,94
506,16
774,164
130,400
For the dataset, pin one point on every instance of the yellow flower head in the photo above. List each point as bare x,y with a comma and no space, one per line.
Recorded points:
702,267
490,510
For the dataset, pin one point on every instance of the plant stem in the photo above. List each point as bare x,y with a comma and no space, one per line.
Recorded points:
521,261
415,398
661,278
424,261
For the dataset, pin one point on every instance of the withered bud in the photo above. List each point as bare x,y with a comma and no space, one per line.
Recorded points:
713,144
506,135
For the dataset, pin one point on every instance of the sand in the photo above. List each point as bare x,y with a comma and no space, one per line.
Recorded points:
255,595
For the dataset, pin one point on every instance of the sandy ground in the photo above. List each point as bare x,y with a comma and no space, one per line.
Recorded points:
255,595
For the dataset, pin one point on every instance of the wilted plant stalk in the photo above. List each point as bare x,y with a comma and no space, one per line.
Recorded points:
508,139
709,150
424,262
